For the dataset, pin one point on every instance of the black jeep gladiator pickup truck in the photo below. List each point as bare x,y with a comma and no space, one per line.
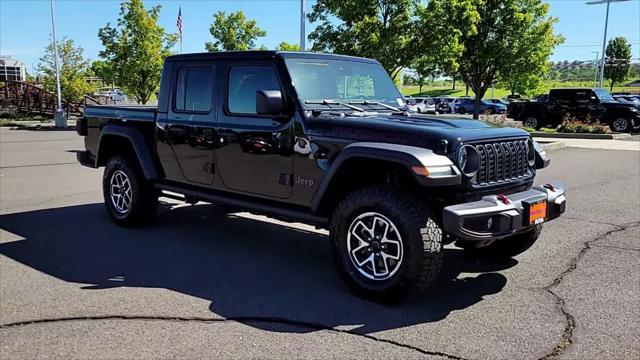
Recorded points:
324,140
579,103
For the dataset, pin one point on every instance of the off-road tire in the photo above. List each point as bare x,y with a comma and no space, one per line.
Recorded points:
421,239
144,198
505,248
532,122
616,125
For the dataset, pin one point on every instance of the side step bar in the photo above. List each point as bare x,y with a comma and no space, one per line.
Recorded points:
278,212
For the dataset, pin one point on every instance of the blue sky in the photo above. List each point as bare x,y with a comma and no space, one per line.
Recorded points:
25,25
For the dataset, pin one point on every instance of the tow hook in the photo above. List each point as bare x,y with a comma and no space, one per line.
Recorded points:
503,199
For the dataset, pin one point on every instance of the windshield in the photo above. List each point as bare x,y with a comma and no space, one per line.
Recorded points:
603,95
342,80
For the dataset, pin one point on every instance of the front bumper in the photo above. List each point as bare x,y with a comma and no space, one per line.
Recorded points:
496,216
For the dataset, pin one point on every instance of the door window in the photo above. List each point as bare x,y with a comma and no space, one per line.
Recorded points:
244,82
194,89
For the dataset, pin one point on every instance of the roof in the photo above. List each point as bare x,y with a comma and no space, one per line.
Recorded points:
9,61
265,54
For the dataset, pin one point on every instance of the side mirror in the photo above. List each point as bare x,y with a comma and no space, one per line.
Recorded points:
269,102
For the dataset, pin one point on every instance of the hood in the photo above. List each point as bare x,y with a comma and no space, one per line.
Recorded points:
619,105
416,130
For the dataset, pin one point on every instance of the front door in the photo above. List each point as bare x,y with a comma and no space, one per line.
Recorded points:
254,152
189,127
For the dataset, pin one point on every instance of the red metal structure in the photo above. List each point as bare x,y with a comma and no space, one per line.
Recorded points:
30,99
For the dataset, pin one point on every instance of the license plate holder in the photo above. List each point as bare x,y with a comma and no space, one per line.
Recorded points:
535,211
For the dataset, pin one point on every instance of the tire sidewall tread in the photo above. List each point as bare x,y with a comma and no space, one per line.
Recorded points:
144,202
421,237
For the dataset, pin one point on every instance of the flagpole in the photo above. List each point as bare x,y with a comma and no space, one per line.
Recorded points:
180,15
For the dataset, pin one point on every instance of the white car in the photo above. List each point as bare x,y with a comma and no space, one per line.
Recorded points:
425,105
114,95
411,104
117,95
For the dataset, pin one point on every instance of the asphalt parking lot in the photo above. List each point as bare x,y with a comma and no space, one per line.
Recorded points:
201,282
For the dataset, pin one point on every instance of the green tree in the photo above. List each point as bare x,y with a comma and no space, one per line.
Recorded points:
380,29
426,67
103,70
136,49
619,60
233,32
285,46
73,69
497,37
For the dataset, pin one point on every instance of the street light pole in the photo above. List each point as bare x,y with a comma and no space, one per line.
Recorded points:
59,117
595,79
302,22
604,41
604,44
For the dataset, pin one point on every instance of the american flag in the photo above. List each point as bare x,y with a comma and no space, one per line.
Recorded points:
179,22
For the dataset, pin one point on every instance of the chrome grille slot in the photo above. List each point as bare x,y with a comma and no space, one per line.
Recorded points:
502,162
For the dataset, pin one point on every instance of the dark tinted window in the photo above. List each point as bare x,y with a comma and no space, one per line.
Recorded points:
194,88
244,82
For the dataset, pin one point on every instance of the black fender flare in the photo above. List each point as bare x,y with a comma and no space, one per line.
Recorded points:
138,144
405,155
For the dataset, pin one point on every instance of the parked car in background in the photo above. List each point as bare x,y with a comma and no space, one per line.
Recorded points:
579,103
629,99
425,105
114,95
514,97
465,105
442,105
450,104
498,101
411,104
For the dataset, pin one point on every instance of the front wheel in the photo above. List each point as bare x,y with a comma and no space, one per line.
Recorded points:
505,248
129,199
620,125
385,244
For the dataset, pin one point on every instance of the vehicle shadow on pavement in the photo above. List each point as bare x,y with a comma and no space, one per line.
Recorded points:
246,268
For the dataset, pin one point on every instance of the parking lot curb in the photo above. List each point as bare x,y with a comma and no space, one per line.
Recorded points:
556,145
616,136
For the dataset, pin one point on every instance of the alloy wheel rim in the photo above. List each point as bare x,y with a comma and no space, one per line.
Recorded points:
375,246
531,122
120,191
620,124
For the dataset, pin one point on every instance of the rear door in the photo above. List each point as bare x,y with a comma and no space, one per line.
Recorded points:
190,123
254,152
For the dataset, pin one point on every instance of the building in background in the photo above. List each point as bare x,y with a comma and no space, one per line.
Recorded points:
12,70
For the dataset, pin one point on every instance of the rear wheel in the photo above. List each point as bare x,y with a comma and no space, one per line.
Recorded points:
385,243
620,125
532,122
130,200
462,110
505,248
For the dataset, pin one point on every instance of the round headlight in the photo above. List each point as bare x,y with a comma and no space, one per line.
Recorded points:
468,160
531,153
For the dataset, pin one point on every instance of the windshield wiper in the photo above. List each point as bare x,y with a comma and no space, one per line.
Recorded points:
376,103
396,111
334,102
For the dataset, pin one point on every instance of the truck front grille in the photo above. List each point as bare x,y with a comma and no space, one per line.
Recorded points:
502,161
